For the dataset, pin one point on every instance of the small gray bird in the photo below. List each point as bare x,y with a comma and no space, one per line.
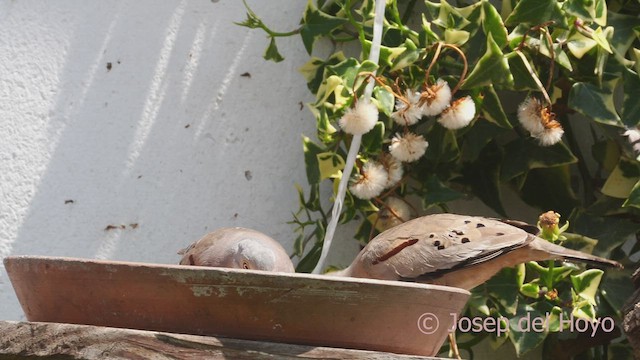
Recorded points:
455,250
237,248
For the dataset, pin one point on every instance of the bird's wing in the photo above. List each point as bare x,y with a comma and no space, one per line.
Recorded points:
431,245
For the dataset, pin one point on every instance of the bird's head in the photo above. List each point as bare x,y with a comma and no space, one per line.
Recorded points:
252,254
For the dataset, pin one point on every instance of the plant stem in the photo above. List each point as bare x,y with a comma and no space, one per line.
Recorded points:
552,56
534,76
463,76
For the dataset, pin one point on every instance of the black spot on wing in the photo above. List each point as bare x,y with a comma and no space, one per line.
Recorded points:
470,261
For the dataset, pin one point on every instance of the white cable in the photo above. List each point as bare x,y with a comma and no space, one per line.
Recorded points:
374,56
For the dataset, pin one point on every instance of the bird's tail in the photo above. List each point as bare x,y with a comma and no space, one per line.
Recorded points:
573,255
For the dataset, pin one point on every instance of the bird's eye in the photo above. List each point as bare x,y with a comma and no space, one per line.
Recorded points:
245,265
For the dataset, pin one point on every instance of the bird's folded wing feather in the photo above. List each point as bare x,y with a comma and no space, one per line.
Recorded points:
435,244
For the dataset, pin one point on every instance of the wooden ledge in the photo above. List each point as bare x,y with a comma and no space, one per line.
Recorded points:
57,340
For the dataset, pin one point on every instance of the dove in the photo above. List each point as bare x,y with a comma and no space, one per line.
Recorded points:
455,250
237,247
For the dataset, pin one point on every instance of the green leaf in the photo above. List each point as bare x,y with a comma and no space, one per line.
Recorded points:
313,70
583,9
553,323
443,145
492,24
385,100
602,54
427,35
308,263
579,45
252,21
372,141
624,34
531,290
435,192
271,53
492,68
387,54
522,155
364,232
600,38
522,78
616,289
448,16
504,286
326,130
483,177
315,24
330,165
611,232
620,185
631,99
550,276
492,108
536,12
633,199
348,70
600,17
586,284
477,137
407,57
298,245
550,188
524,333
456,37
594,102
579,242
559,56
478,304
311,151
606,153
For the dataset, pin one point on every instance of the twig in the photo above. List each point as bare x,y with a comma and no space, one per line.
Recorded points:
534,76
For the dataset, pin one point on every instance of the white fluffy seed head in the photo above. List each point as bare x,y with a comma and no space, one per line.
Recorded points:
395,212
370,182
360,119
459,114
529,115
393,167
633,136
436,99
408,114
408,147
550,136
540,122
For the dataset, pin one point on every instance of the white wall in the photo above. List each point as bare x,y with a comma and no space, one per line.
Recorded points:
172,138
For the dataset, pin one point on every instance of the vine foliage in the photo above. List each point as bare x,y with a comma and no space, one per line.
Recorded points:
540,96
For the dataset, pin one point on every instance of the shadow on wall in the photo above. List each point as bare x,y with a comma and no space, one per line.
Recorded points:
156,133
